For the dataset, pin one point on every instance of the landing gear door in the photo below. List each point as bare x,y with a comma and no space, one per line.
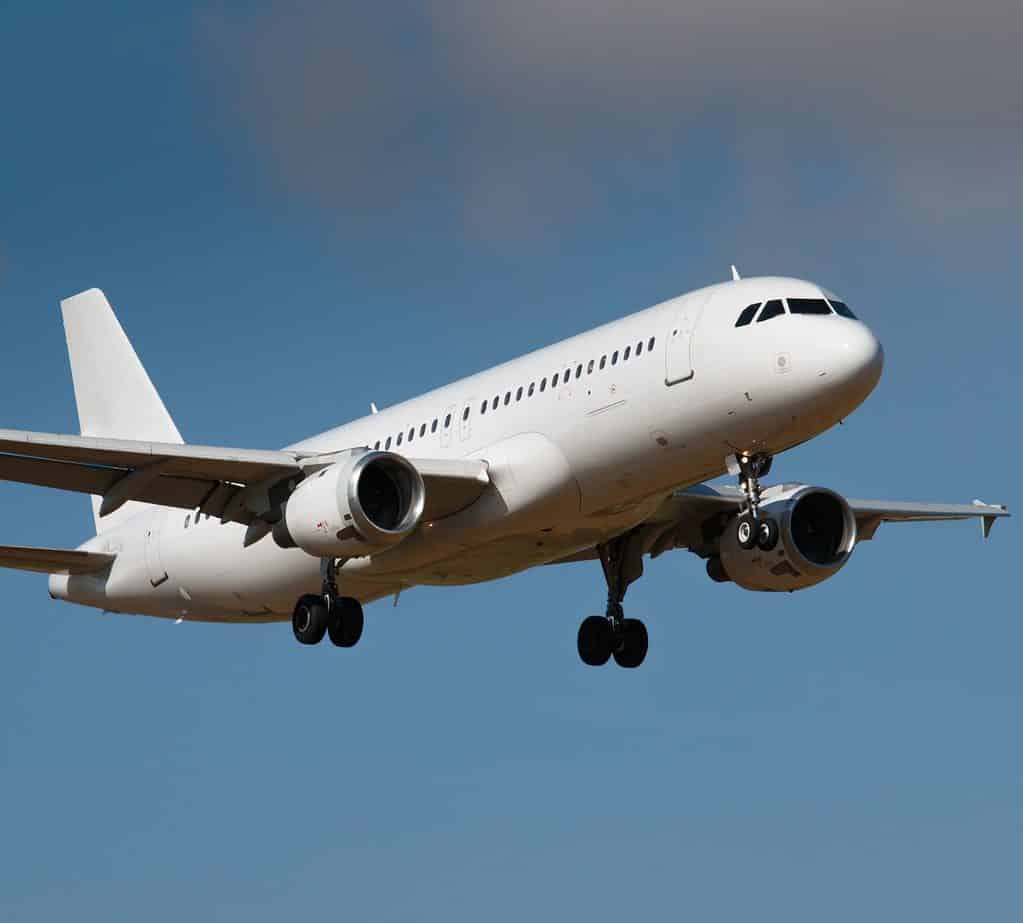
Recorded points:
154,561
678,357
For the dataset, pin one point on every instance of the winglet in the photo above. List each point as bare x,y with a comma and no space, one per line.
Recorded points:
987,522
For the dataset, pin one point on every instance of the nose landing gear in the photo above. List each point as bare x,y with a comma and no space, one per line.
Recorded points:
331,614
753,530
602,637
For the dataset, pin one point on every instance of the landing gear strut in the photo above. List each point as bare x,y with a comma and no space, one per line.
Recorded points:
331,614
612,634
752,528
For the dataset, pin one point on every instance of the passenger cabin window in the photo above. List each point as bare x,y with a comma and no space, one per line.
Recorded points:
614,357
483,407
532,388
411,434
843,309
808,306
746,316
589,367
578,371
447,421
518,394
507,398
650,345
603,361
465,413
639,348
625,355
377,445
543,384
771,309
433,426
187,519
495,402
387,444
422,431
399,438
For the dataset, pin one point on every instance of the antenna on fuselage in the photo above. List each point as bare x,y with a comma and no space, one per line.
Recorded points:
735,274
373,407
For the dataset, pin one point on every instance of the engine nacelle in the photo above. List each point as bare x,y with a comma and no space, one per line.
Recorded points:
816,536
362,505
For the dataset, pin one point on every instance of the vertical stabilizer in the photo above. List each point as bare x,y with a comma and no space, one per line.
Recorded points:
115,397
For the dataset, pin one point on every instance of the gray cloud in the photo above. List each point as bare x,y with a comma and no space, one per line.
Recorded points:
523,114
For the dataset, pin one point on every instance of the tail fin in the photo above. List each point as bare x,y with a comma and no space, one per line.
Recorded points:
114,395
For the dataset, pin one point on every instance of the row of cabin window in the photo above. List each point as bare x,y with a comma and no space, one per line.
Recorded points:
564,377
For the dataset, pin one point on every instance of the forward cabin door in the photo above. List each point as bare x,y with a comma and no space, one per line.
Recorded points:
678,357
154,561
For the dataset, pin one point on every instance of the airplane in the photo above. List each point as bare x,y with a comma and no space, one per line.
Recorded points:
597,448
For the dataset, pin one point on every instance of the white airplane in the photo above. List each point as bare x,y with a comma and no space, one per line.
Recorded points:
593,448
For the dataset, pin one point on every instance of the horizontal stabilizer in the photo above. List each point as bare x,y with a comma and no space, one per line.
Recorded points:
54,560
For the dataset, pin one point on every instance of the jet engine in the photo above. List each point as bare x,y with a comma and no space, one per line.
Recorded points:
815,537
362,505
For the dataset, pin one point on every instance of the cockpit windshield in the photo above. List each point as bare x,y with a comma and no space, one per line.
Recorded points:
771,309
809,306
842,308
747,315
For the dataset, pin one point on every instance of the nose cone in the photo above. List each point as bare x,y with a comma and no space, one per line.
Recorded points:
856,360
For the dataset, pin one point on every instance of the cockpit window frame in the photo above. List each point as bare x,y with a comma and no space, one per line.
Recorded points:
782,310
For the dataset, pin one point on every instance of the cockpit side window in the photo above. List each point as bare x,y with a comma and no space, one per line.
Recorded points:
747,315
842,308
771,309
809,306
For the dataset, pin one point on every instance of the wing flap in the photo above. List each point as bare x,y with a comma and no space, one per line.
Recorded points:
53,560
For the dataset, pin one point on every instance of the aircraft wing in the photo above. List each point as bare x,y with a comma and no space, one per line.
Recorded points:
53,560
233,484
681,519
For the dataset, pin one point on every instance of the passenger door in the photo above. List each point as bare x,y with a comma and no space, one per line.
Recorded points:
678,364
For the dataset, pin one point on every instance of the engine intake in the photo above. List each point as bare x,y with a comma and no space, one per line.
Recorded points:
817,534
353,508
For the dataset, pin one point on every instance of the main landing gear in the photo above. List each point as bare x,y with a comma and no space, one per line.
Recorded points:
612,635
752,529
340,617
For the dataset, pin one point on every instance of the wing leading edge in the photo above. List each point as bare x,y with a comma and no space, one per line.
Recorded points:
234,484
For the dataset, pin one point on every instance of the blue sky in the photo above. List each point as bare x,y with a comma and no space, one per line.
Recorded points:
296,212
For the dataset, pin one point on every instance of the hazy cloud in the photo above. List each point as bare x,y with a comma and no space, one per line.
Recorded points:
527,112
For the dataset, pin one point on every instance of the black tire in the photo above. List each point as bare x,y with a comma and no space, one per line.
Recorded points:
746,532
634,644
595,641
767,534
345,623
309,620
